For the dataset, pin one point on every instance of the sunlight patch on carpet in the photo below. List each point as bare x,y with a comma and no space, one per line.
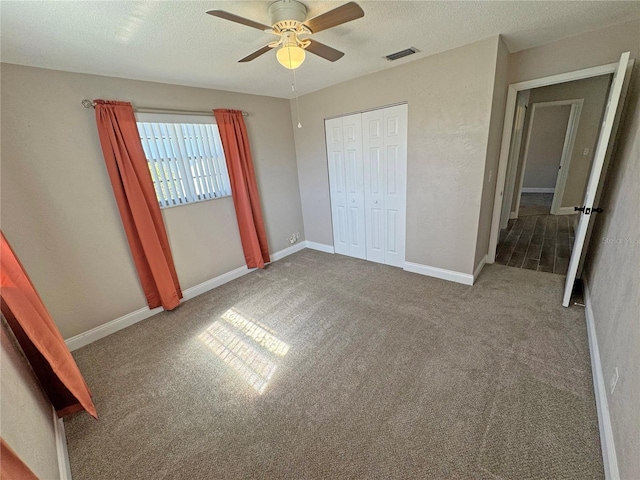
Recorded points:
255,331
245,347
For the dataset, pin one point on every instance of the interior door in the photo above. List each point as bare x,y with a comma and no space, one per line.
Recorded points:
395,183
337,185
594,176
374,184
607,158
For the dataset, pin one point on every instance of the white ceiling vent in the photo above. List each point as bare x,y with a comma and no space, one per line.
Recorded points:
402,53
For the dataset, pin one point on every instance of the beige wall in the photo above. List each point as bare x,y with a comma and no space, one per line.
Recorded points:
26,416
589,49
498,104
449,97
614,283
58,209
546,142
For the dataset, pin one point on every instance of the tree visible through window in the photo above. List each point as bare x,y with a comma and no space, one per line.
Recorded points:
186,161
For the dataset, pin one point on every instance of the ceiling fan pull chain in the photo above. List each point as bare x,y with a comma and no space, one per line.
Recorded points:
294,87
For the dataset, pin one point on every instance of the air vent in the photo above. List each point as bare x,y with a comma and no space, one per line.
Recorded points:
402,53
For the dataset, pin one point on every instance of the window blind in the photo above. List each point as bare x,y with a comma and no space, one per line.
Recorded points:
186,161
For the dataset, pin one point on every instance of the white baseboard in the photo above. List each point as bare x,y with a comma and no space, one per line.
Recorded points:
538,190
101,331
481,265
565,211
442,273
296,247
129,319
600,386
61,446
320,247
513,215
204,287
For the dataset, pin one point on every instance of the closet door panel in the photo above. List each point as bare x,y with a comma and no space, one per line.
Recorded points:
395,175
337,185
352,140
373,150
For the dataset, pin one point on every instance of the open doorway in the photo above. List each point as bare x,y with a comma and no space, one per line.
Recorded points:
596,170
549,172
551,133
547,175
539,241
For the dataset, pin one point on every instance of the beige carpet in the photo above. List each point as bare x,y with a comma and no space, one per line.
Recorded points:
323,366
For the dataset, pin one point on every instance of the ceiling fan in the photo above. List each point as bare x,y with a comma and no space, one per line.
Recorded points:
288,22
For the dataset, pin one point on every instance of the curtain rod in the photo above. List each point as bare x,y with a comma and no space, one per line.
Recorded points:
90,104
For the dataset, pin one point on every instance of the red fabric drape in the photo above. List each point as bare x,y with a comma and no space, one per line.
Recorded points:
133,188
11,467
237,152
39,337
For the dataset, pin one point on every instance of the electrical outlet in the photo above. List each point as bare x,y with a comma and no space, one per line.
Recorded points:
614,380
298,235
585,152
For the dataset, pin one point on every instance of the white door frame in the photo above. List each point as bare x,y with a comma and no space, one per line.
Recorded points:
565,158
522,101
513,90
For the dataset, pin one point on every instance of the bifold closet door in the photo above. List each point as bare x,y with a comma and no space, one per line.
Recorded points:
385,180
346,181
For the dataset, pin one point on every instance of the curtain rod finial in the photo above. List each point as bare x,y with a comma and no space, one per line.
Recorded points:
88,103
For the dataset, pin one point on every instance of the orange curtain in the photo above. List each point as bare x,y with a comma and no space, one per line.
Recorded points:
133,188
11,467
237,152
39,338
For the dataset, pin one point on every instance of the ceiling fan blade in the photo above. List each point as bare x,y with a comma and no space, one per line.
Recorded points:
238,19
324,51
333,18
255,54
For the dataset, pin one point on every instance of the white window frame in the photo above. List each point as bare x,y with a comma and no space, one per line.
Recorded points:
184,172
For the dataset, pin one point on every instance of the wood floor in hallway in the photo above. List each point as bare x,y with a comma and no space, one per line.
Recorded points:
537,242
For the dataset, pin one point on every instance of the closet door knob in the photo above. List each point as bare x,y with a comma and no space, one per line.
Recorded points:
375,201
353,200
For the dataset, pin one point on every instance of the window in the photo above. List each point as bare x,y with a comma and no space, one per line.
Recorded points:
185,158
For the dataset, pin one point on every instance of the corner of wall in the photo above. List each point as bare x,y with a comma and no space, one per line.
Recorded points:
297,149
494,138
28,421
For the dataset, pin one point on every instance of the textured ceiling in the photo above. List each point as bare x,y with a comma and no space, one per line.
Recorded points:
176,42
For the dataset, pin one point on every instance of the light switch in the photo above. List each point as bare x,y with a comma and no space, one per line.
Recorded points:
585,152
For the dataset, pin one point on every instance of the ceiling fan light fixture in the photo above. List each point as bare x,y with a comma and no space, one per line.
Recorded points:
288,20
290,56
